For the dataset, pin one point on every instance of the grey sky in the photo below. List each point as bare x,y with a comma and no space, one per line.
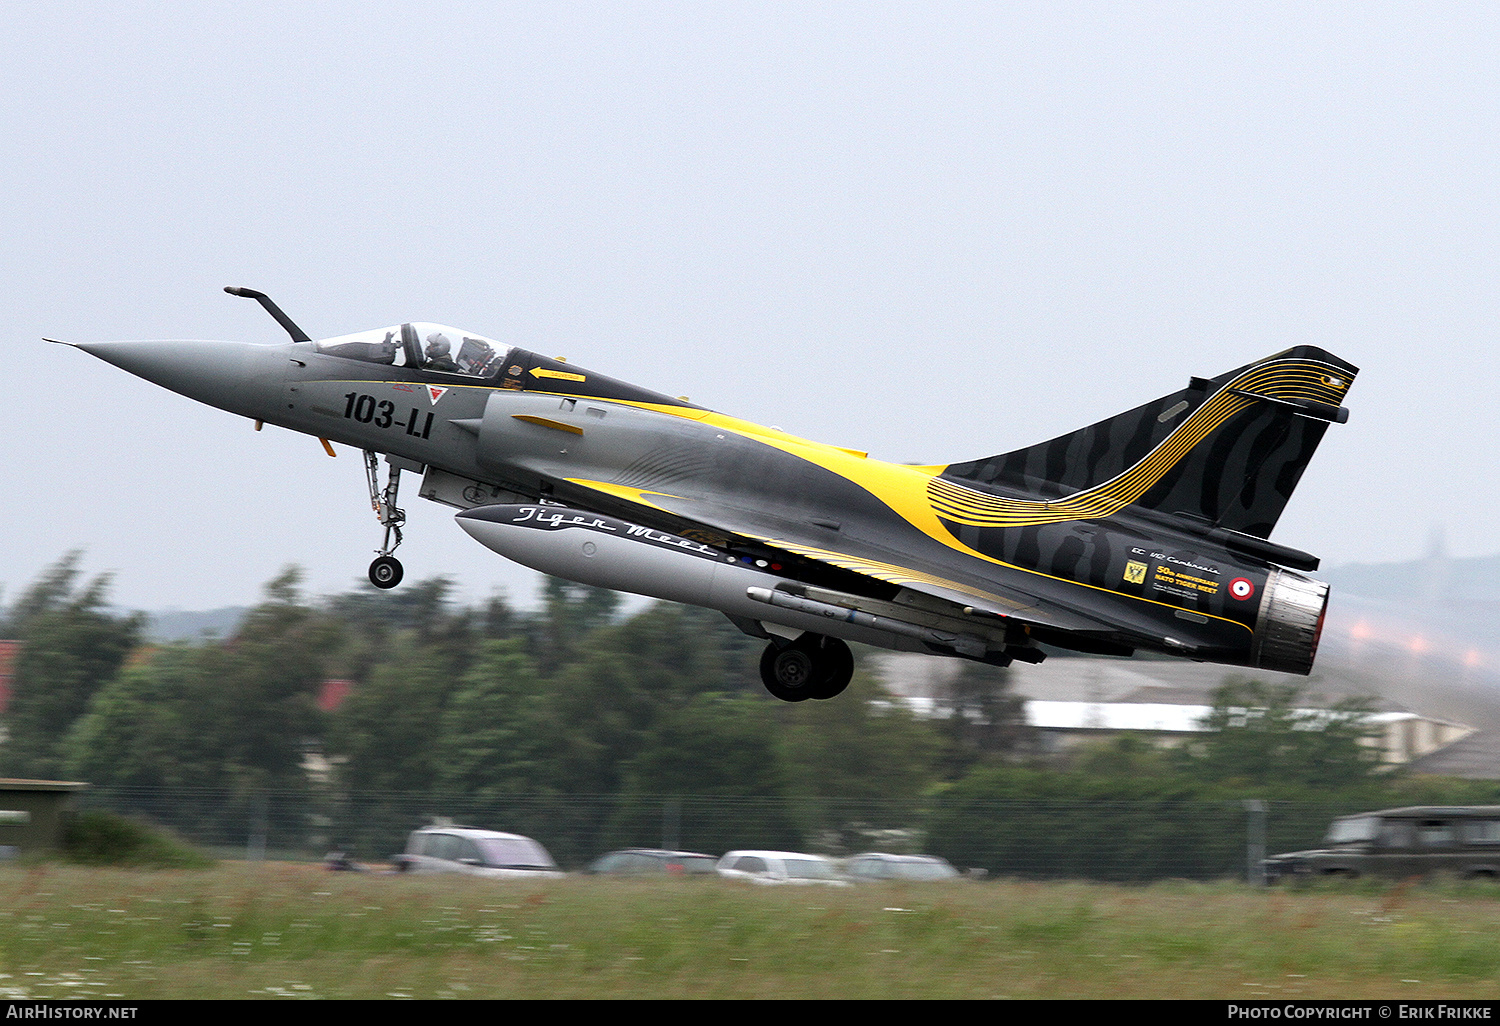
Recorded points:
934,231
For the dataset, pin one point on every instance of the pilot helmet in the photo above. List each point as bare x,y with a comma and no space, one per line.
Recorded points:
437,345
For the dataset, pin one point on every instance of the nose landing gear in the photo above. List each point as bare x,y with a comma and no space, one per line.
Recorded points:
813,666
385,571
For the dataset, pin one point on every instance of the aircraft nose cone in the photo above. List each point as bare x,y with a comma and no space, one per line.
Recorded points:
222,374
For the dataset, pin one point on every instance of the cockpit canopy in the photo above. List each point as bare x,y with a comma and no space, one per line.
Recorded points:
434,347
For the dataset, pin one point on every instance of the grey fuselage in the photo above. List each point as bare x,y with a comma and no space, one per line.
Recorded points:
881,541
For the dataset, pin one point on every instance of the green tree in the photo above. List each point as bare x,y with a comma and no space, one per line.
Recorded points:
386,735
706,776
71,645
269,676
714,744
231,722
1255,734
986,724
1125,756
239,713
488,743
570,614
600,708
152,726
1042,823
856,763
857,746
373,621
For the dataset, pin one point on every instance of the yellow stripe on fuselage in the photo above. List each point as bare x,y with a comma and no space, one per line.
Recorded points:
636,495
902,488
923,499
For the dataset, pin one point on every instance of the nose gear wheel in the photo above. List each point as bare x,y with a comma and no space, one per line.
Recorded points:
385,571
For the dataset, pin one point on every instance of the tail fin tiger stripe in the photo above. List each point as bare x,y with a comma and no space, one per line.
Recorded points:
967,506
1276,379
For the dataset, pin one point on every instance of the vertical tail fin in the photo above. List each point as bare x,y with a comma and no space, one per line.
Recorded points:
1227,450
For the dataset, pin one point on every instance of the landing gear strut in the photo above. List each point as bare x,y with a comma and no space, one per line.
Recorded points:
385,571
813,666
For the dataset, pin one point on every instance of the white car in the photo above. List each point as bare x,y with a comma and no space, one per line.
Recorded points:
876,865
781,867
476,853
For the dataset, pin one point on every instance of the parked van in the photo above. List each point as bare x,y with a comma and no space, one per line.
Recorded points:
1461,840
455,849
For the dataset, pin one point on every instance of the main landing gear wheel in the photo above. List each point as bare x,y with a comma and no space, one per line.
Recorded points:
787,672
838,663
386,572
813,666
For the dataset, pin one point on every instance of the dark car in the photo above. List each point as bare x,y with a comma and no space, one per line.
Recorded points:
1461,840
654,862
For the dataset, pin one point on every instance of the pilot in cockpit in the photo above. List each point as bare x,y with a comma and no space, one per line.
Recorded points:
437,358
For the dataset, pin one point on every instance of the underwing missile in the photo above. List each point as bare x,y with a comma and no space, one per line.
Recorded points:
605,552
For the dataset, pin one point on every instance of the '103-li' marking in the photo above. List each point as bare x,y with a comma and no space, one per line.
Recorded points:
382,412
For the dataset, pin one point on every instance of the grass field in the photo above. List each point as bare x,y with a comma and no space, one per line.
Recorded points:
280,930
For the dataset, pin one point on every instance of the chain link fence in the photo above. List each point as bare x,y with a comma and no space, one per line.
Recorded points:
1125,841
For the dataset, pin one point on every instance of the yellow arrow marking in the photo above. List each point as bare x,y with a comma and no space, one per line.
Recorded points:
543,372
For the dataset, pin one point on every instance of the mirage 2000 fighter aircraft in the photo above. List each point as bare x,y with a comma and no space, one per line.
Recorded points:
1147,530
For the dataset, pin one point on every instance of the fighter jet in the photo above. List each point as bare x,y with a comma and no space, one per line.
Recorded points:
1146,531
